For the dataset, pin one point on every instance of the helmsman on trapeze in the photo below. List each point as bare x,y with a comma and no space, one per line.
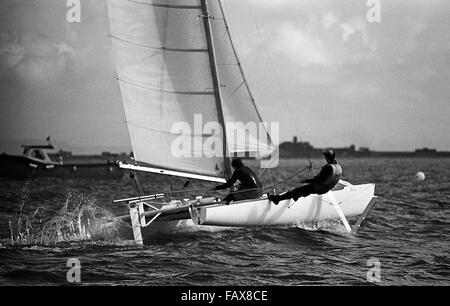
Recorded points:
323,182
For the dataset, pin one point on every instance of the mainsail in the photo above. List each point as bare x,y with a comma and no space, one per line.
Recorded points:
175,62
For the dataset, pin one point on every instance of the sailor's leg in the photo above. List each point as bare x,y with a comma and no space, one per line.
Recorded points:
276,198
303,191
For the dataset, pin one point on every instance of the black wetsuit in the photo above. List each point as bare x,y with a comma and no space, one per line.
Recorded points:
314,185
248,181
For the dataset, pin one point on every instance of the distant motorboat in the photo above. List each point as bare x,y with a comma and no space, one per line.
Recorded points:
35,161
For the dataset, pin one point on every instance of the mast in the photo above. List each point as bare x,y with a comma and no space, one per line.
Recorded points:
215,77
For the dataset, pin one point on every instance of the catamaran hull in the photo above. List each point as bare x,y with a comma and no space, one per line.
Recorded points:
352,200
210,214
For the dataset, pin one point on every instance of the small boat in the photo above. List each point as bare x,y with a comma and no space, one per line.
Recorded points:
35,162
176,62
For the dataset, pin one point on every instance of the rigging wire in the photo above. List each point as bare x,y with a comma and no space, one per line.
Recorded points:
263,189
284,98
271,181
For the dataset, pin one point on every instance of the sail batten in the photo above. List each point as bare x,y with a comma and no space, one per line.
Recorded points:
162,48
166,5
192,135
164,90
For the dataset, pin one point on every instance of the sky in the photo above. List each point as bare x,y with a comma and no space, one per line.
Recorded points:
318,67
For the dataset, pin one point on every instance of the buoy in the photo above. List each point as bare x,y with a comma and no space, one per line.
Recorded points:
420,176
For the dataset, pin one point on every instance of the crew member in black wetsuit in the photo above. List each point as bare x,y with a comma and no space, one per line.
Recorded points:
249,187
323,182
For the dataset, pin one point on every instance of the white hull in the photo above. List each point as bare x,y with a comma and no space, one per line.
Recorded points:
353,200
350,201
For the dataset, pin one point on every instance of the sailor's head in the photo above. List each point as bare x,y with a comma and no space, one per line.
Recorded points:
237,163
329,155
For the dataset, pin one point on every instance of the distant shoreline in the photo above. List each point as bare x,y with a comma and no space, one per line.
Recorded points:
297,149
371,157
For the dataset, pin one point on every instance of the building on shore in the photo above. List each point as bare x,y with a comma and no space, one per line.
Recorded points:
296,149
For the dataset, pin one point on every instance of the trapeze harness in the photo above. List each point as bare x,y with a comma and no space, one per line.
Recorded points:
327,178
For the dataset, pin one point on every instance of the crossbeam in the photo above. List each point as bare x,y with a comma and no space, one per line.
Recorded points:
145,197
172,210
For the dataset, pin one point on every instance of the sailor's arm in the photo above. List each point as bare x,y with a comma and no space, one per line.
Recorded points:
229,183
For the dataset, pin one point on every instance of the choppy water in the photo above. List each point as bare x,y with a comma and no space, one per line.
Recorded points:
408,232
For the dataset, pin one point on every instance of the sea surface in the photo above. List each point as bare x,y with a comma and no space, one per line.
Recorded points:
407,234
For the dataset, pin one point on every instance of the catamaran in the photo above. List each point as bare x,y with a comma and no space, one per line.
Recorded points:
176,62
